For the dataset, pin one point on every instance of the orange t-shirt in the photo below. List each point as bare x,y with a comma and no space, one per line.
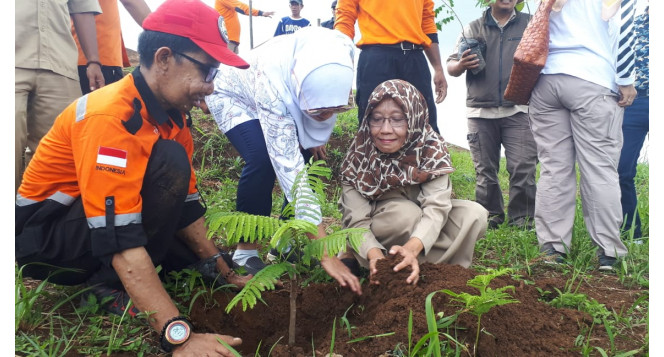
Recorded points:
387,22
109,36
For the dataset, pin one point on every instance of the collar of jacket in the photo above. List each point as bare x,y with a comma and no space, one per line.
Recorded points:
155,110
489,21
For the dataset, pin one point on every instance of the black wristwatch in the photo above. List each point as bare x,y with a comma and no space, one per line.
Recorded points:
176,331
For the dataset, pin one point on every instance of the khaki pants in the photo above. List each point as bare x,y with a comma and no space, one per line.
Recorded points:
395,220
576,121
40,96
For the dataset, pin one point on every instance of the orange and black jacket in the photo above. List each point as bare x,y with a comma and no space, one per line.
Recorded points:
98,149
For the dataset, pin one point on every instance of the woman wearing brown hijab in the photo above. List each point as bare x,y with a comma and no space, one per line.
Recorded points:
395,183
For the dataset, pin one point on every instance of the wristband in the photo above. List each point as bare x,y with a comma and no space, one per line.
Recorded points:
95,62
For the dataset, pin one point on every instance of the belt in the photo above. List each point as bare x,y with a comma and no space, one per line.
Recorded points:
404,46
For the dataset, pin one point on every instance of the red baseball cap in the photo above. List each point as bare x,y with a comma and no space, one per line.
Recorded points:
198,22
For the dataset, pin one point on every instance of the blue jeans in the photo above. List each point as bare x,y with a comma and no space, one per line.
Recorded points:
635,128
254,189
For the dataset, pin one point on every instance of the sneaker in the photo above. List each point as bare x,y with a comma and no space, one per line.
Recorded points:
606,263
493,225
117,305
552,256
290,256
252,266
523,223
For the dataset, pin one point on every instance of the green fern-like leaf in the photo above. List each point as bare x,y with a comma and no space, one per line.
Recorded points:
237,225
289,229
335,242
262,281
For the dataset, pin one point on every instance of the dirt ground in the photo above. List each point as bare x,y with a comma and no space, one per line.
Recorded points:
528,328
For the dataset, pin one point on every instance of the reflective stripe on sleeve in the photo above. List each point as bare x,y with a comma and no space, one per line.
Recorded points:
120,220
192,197
59,197
81,106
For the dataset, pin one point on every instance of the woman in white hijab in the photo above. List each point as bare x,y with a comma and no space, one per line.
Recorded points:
277,114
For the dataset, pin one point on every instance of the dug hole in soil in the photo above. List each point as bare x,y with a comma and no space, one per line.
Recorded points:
528,328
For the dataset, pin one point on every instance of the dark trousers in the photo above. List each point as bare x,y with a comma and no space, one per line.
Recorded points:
164,190
111,74
485,137
635,127
254,190
378,64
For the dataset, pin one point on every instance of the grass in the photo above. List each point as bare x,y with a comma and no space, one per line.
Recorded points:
49,322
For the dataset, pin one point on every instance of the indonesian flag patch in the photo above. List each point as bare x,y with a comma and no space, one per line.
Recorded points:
111,156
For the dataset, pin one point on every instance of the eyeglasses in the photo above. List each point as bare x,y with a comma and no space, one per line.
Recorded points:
394,122
210,71
333,110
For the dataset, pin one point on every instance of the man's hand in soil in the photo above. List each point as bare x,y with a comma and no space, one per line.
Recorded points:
238,280
206,344
339,272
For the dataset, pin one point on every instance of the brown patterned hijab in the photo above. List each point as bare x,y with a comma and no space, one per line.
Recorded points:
422,158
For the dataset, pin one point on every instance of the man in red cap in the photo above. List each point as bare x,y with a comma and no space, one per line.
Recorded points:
111,192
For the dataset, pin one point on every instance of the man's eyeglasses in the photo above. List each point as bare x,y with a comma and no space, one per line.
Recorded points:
394,122
210,71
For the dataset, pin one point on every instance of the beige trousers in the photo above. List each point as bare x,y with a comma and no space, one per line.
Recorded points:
395,220
40,96
576,121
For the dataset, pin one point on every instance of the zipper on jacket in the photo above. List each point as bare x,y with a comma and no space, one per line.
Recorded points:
500,68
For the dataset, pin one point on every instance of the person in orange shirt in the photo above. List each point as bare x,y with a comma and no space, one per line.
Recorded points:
229,9
111,192
109,40
395,37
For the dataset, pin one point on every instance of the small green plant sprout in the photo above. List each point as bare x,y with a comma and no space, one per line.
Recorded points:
345,323
294,233
479,305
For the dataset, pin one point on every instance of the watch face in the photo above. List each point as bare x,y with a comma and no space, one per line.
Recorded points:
177,332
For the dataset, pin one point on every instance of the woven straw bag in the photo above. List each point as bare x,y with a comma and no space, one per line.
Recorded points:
530,55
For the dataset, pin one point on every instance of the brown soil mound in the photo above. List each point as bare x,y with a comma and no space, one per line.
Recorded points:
528,328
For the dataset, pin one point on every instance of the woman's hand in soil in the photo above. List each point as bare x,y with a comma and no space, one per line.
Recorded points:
340,272
373,256
409,259
319,152
206,344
